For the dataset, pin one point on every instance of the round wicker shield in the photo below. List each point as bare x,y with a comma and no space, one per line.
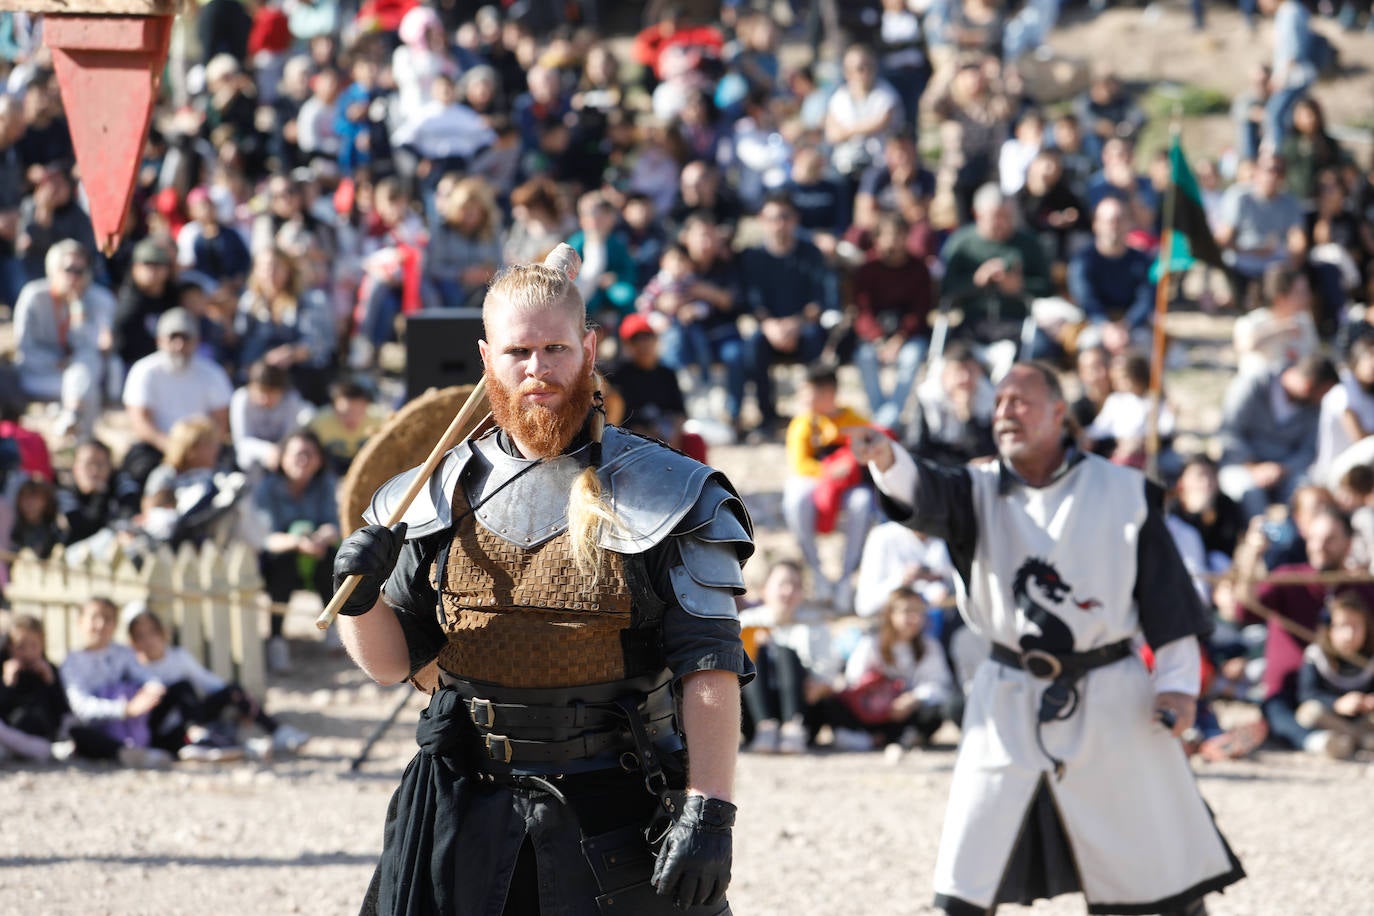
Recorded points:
404,442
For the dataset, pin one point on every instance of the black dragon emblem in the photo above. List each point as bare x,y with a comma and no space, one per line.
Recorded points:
1036,581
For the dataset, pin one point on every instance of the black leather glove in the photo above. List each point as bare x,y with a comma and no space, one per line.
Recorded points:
370,552
694,861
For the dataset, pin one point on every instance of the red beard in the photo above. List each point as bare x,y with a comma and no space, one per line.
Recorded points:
546,430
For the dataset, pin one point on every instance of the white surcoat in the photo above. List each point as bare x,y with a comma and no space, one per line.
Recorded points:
1137,827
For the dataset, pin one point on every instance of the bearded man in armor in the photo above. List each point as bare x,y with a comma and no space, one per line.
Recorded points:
576,585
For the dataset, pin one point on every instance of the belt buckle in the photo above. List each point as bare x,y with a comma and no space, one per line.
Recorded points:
506,751
1041,664
488,713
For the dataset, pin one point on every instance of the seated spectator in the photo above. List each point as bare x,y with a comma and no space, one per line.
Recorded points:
1111,283
759,151
360,128
89,504
863,111
49,215
1260,225
1347,411
717,339
33,707
1336,681
823,481
1051,209
901,51
111,695
895,557
993,269
953,421
1094,384
63,339
464,250
1340,252
822,202
787,286
538,222
442,135
203,501
1066,136
607,277
175,383
298,500
1281,333
1247,113
1328,541
1199,502
23,449
644,236
543,106
1107,111
893,295
1019,151
393,243
203,698
975,118
1121,427
794,665
37,524
898,682
1308,150
147,292
643,394
346,422
210,248
261,414
284,324
1269,431
701,190
898,185
1118,178
316,134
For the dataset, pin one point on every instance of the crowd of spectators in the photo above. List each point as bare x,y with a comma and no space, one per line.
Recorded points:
318,171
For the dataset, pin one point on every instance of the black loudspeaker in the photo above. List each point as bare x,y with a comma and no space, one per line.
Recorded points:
441,349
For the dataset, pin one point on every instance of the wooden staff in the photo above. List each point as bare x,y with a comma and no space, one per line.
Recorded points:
475,402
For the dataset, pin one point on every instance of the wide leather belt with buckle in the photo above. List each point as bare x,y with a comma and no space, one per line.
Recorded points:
505,749
1052,666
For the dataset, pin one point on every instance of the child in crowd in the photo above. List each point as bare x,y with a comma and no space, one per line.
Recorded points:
32,705
823,480
89,504
794,665
212,709
898,682
1336,682
37,524
109,691
1121,426
346,423
261,413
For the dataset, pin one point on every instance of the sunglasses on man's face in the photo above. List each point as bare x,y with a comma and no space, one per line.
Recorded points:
75,270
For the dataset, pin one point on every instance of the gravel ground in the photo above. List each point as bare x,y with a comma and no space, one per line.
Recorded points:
823,834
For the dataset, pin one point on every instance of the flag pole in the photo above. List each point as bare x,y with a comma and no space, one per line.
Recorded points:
1166,253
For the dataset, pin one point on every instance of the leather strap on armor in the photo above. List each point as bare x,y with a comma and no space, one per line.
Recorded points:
567,730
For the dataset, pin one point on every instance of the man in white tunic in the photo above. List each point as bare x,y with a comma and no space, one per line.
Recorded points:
1067,777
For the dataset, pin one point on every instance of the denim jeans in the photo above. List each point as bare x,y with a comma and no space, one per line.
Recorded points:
799,511
690,347
762,357
887,408
1278,113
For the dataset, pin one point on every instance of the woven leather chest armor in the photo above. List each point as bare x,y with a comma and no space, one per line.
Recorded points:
528,618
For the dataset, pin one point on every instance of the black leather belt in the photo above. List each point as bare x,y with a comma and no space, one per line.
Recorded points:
1052,666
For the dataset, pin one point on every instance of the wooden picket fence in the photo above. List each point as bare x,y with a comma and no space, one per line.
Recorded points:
208,599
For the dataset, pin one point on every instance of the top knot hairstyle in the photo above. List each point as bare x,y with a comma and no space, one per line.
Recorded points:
550,286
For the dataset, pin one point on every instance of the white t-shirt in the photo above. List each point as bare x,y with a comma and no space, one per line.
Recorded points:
172,394
888,550
1125,415
1331,436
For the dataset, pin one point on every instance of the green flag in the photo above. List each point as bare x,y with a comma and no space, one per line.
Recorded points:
1192,237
